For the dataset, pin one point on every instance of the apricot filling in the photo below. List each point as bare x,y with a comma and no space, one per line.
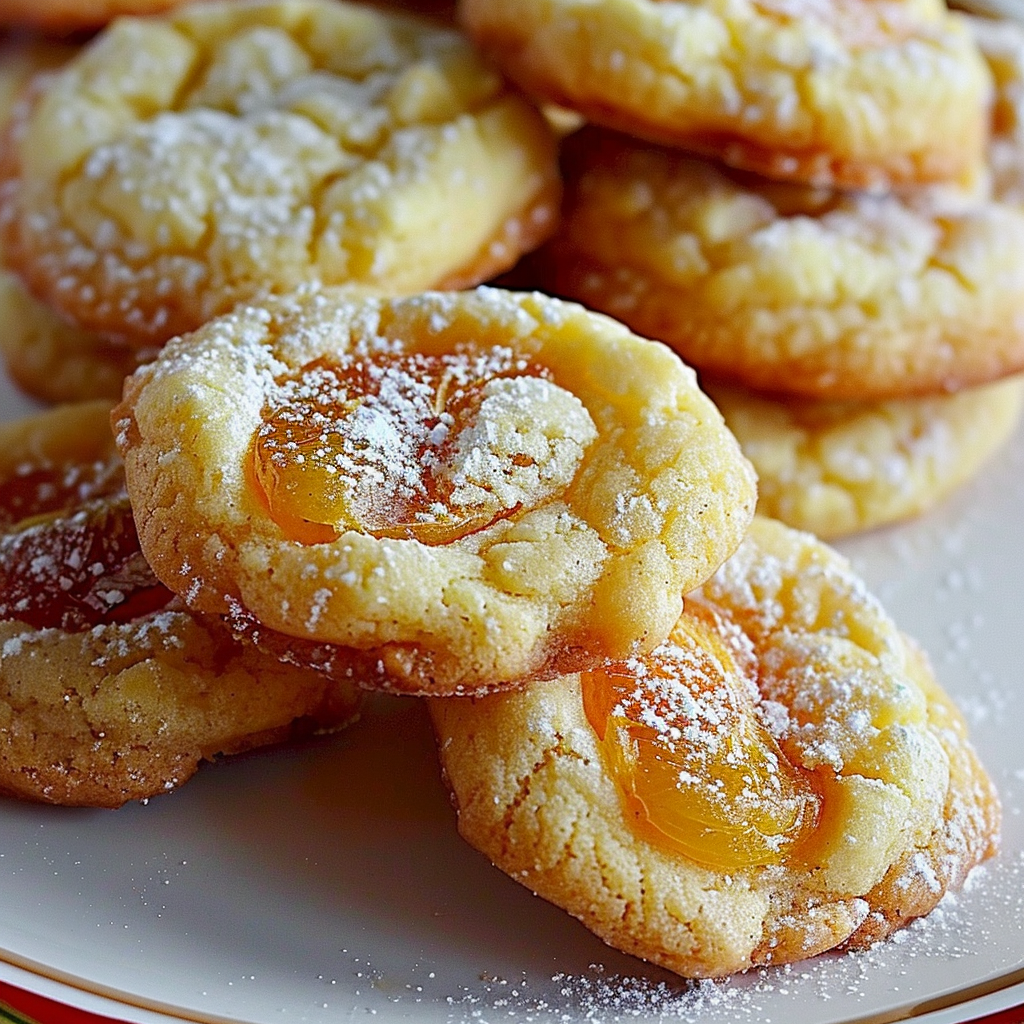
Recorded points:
69,551
697,769
414,446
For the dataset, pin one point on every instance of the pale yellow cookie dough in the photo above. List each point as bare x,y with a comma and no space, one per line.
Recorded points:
845,92
46,356
789,289
871,806
110,690
182,163
836,468
543,503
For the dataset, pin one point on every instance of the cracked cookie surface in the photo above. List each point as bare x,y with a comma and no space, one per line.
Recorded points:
110,689
46,356
475,488
788,289
850,93
182,163
782,777
835,468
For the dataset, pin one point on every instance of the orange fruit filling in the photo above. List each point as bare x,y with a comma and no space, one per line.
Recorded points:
360,445
69,551
698,771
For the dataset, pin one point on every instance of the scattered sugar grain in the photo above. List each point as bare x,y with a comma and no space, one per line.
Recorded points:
956,930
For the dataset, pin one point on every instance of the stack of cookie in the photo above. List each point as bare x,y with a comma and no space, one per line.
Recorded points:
148,185
168,170
354,476
848,275
110,688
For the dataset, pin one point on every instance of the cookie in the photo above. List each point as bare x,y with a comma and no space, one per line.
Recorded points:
854,94
477,487
783,776
110,690
184,163
836,468
788,289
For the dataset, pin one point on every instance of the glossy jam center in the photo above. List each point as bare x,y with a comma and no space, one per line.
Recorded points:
698,771
360,445
69,551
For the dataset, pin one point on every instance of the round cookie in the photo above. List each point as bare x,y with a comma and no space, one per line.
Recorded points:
47,357
788,289
181,164
478,487
110,690
854,94
835,468
782,777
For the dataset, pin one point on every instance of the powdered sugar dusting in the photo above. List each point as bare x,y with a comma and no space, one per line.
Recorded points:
832,987
906,970
696,729
409,442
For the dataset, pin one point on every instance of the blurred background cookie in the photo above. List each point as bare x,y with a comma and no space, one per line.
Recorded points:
110,690
836,468
782,777
1001,41
46,356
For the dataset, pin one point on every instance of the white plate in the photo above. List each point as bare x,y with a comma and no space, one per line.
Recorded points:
326,883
